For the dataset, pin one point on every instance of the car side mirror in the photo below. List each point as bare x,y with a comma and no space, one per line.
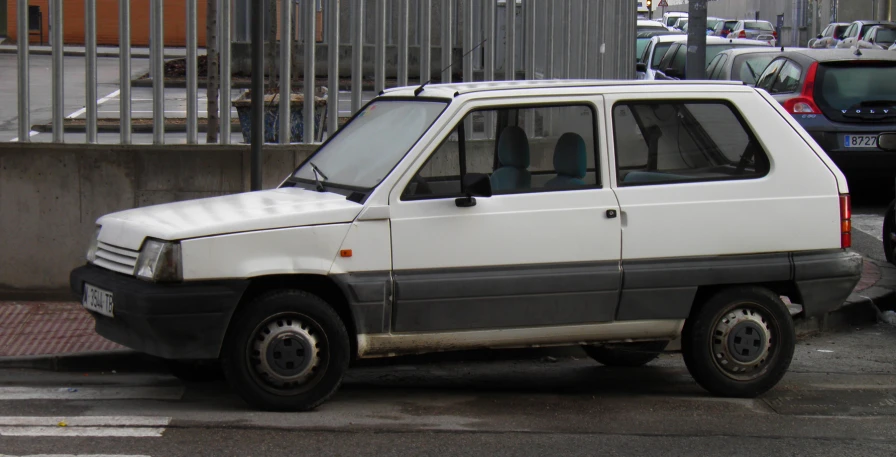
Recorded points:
887,141
819,37
641,67
474,185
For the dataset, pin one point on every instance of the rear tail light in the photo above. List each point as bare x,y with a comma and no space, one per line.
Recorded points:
845,221
742,34
805,102
775,34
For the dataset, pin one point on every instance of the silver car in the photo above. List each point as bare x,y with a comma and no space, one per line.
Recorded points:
755,30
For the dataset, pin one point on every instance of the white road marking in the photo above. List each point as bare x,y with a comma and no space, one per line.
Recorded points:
31,133
86,421
98,103
91,393
870,224
82,431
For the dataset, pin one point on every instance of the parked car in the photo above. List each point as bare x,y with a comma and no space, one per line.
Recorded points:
844,99
723,28
669,18
680,24
887,142
649,62
645,25
755,30
711,23
879,37
643,41
673,65
830,36
741,64
409,232
856,32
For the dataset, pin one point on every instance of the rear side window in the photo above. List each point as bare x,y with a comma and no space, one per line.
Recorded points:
664,142
717,71
768,76
788,79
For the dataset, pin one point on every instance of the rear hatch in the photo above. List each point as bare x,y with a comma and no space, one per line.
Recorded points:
857,92
757,30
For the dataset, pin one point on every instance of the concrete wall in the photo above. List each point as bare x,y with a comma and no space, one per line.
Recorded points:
50,196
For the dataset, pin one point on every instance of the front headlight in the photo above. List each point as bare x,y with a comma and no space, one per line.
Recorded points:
159,261
91,249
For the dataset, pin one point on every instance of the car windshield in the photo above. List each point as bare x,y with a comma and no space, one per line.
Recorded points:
364,151
760,25
866,28
641,46
671,20
747,68
658,52
711,23
841,87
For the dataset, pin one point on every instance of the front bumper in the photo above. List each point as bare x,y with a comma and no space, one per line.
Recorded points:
173,321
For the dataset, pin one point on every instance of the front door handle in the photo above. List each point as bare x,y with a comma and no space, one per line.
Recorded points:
611,213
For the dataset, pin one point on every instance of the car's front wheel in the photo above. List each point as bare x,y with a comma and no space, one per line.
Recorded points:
286,351
889,233
740,342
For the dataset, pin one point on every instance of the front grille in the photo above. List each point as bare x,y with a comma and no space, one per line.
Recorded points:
116,259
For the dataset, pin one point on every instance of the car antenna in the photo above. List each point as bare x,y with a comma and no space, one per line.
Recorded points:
420,88
858,51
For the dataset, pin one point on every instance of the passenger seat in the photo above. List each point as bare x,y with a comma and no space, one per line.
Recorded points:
570,162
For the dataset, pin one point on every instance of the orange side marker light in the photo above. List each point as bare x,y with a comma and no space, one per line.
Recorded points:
345,253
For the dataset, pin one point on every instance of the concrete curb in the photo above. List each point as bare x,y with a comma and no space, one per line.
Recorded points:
123,360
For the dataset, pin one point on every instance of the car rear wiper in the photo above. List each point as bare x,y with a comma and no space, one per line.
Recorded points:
317,175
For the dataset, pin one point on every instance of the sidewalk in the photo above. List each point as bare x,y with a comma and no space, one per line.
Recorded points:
46,329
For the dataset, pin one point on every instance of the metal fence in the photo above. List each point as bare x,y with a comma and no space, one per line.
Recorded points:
535,39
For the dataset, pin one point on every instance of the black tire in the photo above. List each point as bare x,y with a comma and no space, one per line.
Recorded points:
196,370
740,342
889,233
286,351
626,354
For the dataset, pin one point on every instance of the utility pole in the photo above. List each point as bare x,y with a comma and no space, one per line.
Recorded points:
696,67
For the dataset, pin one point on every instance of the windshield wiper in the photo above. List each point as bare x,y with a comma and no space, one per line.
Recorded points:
317,175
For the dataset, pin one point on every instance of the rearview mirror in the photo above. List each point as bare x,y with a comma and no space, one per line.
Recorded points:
474,185
887,141
641,67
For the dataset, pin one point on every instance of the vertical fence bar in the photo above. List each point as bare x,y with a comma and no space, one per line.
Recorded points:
192,77
158,72
583,72
567,23
124,69
90,70
551,13
285,133
257,129
357,53
379,73
23,72
333,70
58,68
529,10
510,37
488,73
425,40
468,41
447,38
224,12
310,42
403,19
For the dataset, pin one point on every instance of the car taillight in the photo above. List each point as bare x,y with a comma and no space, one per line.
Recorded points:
845,221
805,102
742,34
775,34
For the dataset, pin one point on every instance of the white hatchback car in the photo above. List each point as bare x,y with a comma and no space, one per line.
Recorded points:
613,215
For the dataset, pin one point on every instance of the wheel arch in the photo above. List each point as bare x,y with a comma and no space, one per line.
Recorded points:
787,289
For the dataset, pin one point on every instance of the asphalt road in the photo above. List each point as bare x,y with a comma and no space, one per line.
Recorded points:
838,399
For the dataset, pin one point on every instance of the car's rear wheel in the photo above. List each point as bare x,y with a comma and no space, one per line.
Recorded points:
626,354
889,233
740,342
286,351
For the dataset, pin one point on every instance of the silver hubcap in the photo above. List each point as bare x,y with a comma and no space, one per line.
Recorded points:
741,343
285,352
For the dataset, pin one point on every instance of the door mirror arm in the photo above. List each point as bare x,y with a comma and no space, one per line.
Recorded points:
474,185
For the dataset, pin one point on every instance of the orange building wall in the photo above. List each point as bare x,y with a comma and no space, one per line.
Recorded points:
174,19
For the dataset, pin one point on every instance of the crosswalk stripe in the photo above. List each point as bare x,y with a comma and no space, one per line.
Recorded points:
139,432
91,393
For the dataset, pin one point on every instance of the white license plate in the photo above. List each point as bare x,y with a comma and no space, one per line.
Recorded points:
99,300
860,141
